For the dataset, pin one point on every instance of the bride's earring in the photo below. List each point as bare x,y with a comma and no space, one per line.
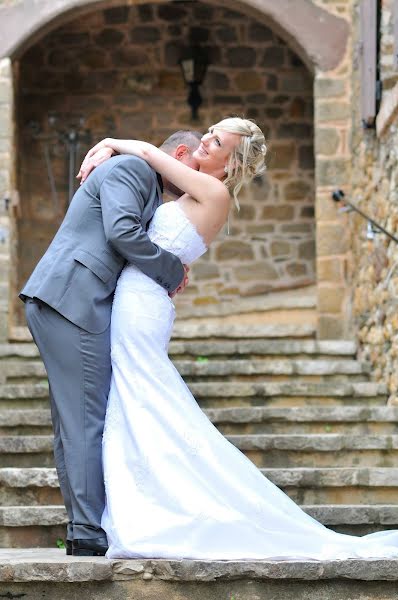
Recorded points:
225,169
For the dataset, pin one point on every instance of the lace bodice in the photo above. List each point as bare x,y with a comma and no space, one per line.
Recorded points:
170,229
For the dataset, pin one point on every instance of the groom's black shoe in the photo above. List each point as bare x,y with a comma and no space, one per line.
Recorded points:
91,547
69,547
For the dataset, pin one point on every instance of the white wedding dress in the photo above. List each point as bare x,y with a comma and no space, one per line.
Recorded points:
175,487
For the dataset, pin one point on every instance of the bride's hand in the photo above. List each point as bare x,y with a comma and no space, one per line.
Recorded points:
94,157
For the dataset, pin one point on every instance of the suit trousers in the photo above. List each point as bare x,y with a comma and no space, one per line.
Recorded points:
78,366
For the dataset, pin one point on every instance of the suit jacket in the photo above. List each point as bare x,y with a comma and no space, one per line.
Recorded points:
104,227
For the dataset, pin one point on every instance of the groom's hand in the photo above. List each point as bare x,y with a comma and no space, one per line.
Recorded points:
183,285
92,159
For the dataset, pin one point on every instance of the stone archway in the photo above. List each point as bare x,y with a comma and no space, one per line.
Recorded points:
317,36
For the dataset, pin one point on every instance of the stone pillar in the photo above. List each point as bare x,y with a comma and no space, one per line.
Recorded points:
332,150
6,194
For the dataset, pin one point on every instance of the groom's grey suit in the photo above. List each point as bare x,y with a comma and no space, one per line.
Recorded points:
68,308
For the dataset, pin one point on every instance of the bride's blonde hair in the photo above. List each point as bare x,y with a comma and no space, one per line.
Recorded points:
247,159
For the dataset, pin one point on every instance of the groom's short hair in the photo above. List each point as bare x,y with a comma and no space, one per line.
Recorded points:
186,137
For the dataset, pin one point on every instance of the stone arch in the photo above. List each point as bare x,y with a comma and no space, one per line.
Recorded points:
318,37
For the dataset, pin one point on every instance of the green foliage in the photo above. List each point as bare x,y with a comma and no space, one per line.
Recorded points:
202,359
60,544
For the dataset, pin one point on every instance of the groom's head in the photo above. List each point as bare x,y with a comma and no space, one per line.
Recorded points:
181,145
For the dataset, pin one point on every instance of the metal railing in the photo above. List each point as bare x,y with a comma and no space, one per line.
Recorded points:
339,196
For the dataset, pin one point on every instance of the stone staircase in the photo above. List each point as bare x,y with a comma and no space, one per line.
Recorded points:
303,411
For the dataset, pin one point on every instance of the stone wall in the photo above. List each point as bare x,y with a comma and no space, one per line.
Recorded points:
118,69
375,262
7,197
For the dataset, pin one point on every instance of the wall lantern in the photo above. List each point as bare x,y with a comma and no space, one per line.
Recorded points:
193,67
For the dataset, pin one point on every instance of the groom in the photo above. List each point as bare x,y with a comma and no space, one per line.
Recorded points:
68,301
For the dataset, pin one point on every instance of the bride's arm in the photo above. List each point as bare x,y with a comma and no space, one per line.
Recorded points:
202,187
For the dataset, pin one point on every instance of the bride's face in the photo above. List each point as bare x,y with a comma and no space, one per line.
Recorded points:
214,151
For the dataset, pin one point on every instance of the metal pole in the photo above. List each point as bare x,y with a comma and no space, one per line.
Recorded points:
338,195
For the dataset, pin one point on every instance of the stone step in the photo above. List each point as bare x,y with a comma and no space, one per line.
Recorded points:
290,393
26,451
200,330
48,574
200,347
18,371
222,394
358,420
318,450
364,485
265,450
219,328
28,526
289,304
24,396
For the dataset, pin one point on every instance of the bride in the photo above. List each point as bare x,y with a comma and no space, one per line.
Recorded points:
175,487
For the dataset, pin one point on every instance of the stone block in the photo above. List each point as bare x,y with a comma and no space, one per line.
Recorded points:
327,141
326,88
261,270
226,34
280,248
282,212
249,81
274,112
332,111
326,208
274,57
331,298
333,172
171,12
257,98
331,239
202,270
307,212
217,80
5,121
170,81
145,34
95,58
306,157
295,130
296,83
126,57
298,190
332,269
306,250
247,212
145,12
117,15
135,122
296,269
5,92
234,250
260,33
297,228
202,12
198,35
109,37
241,56
281,155
330,327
